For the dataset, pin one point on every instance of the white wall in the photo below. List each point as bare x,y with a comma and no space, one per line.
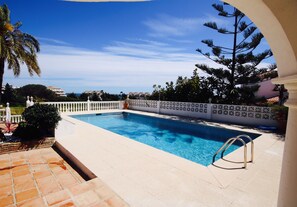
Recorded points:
237,114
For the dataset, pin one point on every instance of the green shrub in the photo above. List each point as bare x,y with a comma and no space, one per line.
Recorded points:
40,122
281,115
280,112
27,132
42,116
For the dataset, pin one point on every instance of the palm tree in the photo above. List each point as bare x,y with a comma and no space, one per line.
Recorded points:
16,47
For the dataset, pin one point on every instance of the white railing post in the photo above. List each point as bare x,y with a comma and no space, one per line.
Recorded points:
89,103
31,102
28,102
209,111
158,106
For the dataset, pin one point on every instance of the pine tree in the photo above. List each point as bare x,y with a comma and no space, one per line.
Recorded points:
239,61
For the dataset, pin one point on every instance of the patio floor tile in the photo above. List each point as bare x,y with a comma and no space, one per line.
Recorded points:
104,192
23,183
4,157
101,204
42,174
39,168
48,185
82,188
87,199
4,163
58,197
57,167
16,168
5,191
37,202
116,202
19,162
5,181
6,201
67,180
68,203
40,178
26,195
18,173
4,171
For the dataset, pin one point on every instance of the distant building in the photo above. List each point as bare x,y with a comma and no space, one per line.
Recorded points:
266,89
98,92
269,90
57,91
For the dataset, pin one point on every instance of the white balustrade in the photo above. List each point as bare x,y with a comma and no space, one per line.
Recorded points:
14,118
85,106
239,114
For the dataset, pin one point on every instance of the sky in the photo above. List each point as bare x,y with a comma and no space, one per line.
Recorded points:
115,46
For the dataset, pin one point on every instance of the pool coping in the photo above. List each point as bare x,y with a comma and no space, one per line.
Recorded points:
210,175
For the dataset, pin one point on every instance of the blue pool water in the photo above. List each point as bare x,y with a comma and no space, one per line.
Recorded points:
195,142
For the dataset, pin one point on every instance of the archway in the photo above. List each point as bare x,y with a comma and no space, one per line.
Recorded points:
277,21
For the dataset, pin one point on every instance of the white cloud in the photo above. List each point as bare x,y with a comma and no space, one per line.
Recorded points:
166,26
76,69
143,48
169,26
51,41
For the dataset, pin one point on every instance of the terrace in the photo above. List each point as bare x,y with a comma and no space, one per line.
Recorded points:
146,177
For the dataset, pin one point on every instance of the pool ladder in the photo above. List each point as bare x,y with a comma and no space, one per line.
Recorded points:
230,141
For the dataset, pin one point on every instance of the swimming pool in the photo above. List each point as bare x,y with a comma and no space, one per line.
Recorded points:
195,142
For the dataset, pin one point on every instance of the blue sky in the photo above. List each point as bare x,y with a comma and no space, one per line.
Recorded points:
114,46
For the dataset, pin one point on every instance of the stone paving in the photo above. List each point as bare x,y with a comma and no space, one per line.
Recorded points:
147,177
42,178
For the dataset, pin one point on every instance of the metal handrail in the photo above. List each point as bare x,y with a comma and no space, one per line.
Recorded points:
252,145
229,142
242,136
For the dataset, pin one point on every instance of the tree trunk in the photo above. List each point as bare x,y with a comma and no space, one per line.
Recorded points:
2,65
232,84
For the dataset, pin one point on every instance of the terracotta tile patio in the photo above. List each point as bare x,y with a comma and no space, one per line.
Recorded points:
42,178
